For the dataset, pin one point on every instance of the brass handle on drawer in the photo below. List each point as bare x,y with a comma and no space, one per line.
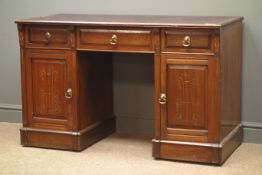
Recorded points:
162,99
69,93
186,41
47,37
113,40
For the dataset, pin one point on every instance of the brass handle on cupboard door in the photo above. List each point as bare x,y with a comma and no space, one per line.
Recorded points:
113,40
162,99
186,41
47,37
69,93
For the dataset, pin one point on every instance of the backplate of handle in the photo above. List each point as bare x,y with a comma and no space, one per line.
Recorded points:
162,99
69,93
186,41
113,40
47,37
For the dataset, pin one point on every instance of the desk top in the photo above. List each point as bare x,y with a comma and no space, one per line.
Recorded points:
134,20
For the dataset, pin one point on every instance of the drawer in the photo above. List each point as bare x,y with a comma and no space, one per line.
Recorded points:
111,39
186,40
49,36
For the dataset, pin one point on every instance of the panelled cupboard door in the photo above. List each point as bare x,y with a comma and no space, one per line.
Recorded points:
183,99
49,89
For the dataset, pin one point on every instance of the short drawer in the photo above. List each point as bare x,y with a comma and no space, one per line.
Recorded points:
49,36
115,39
186,40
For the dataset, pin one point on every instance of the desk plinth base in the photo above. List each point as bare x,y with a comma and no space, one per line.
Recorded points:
198,152
74,141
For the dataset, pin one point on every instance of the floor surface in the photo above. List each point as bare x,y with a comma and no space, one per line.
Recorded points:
114,155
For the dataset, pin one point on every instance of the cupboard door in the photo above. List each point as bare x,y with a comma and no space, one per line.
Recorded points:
49,89
184,86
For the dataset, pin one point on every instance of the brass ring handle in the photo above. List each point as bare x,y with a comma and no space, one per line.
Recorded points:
69,93
47,37
113,40
162,99
186,41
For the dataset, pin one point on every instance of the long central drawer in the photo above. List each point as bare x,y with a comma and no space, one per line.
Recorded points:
115,39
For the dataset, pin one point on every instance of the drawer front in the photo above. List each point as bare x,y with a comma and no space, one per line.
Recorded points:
49,36
185,40
115,39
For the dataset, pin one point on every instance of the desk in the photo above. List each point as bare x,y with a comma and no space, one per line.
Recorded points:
67,98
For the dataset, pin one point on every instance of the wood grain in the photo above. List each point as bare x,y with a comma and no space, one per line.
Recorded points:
95,88
184,81
134,20
231,68
60,36
200,40
48,76
201,119
134,39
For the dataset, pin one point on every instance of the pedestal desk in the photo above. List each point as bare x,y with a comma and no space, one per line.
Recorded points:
67,99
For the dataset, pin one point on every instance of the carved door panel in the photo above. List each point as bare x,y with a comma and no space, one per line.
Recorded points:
184,85
49,89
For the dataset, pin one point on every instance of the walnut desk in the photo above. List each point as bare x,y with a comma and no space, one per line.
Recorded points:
66,63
